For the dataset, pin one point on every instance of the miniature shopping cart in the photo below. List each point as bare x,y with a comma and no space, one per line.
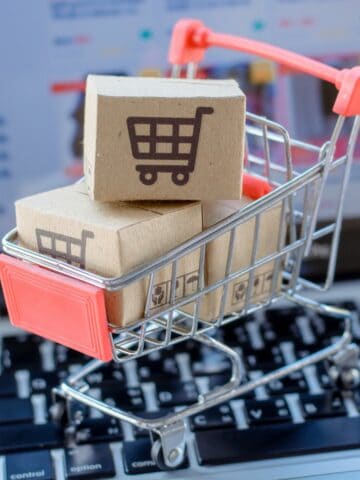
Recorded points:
57,245
56,287
160,151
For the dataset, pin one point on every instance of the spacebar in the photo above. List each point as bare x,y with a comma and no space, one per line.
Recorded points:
216,447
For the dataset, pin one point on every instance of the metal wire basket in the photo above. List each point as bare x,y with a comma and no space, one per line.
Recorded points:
298,194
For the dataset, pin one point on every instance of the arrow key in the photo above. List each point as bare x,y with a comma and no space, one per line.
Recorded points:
261,412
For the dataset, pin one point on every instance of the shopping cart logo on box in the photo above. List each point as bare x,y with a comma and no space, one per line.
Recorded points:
162,141
57,245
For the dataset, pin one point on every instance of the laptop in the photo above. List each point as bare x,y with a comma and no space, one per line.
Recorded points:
304,426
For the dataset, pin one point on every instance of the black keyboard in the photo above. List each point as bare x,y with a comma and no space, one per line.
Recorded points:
302,414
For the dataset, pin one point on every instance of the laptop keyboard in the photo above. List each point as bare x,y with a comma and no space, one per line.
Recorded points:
302,414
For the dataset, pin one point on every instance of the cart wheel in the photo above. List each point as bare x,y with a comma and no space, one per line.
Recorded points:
157,455
345,378
148,178
180,178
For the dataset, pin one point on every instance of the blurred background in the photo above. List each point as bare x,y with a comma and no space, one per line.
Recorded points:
48,47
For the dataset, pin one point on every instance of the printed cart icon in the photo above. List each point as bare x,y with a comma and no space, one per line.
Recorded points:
61,246
166,144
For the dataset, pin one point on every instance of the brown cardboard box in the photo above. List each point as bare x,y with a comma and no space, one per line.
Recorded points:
163,139
113,239
216,257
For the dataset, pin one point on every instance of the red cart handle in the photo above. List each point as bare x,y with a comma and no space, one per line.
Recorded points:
191,38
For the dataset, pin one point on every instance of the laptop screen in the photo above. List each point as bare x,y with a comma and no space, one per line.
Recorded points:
57,43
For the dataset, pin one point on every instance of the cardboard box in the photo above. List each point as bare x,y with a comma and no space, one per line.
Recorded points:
113,239
216,257
163,139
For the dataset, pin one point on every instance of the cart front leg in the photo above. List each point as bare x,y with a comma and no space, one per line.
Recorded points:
168,446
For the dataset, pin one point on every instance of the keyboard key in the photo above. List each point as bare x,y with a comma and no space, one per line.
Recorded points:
268,334
177,393
94,430
220,416
218,380
236,335
43,382
281,317
266,359
21,352
7,385
294,383
281,322
328,404
326,326
115,394
15,410
77,411
66,356
107,373
212,364
15,438
260,412
88,461
29,465
216,447
164,369
189,346
137,457
324,379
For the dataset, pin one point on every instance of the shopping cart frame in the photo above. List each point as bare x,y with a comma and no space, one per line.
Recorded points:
189,42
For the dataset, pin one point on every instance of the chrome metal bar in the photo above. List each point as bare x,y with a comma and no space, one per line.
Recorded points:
229,260
168,332
219,395
299,253
149,294
267,169
201,284
256,131
175,71
256,160
329,152
191,70
280,243
340,208
254,252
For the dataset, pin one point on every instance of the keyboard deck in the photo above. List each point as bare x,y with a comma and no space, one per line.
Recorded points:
302,415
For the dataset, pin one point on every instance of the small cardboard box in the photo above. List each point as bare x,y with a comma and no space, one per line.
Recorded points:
163,139
113,239
217,251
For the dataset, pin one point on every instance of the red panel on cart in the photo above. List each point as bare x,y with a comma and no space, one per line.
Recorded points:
56,307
